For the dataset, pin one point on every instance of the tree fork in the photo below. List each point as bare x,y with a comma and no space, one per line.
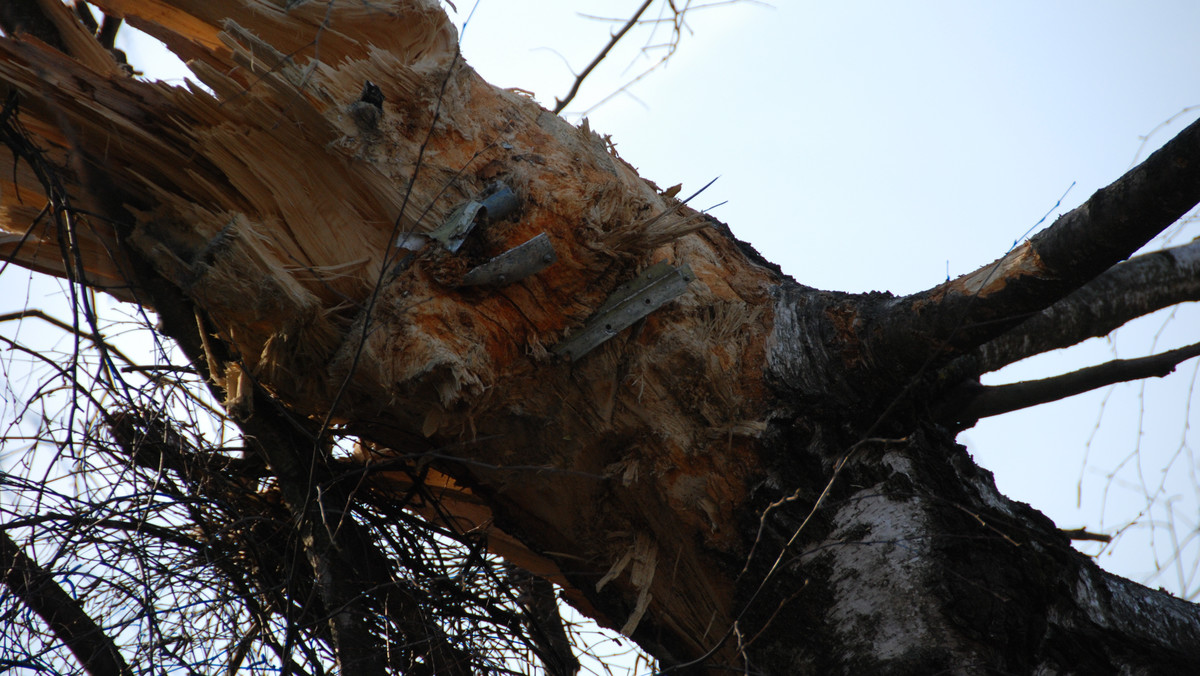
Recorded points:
1135,288
955,317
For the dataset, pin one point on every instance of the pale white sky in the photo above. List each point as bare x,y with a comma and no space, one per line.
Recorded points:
884,145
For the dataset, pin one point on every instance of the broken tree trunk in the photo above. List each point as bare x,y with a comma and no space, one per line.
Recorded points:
734,469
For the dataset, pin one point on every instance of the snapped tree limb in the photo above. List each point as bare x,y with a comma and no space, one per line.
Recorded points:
672,472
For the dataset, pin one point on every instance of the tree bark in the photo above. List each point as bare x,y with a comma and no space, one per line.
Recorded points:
982,402
750,476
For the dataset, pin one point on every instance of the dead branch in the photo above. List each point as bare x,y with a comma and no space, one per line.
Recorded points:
560,104
983,402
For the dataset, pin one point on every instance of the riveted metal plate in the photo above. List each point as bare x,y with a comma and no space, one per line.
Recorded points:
650,290
515,264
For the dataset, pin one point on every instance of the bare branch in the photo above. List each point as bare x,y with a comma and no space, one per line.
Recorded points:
1125,292
107,35
560,104
1084,534
984,402
546,625
38,314
1116,221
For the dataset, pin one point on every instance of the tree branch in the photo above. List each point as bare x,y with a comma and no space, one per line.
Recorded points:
546,625
38,314
345,559
1081,534
984,402
1125,292
958,316
61,612
560,104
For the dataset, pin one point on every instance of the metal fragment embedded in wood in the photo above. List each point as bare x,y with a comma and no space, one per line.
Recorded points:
515,264
453,232
653,288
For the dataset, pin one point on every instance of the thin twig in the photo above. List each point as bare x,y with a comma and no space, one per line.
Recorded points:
560,104
998,399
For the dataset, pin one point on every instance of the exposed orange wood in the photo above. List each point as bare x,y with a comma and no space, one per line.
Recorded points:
1021,261
277,214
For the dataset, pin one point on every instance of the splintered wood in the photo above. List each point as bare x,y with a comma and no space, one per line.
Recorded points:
275,204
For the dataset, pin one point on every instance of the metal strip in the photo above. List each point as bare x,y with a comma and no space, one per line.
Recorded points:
515,264
650,290
458,225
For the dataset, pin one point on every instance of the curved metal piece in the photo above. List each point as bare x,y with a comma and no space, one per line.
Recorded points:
500,203
462,220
